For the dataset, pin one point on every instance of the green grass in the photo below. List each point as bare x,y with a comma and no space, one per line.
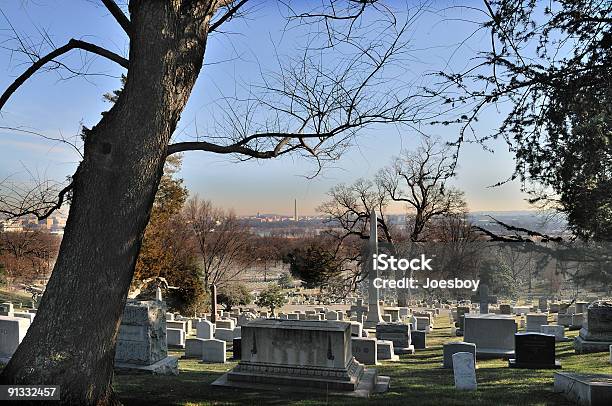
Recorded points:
415,380
15,297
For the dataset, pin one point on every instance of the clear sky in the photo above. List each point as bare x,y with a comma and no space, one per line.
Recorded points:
54,104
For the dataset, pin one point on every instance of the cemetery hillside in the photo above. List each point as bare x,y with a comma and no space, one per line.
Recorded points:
283,202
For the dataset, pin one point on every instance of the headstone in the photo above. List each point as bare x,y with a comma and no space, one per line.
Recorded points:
227,323
331,315
374,316
356,329
419,339
555,330
534,351
7,309
449,349
399,333
505,309
364,350
535,320
213,351
12,332
596,332
422,323
225,334
176,324
464,371
194,348
385,352
461,312
204,329
175,337
493,335
141,342
394,312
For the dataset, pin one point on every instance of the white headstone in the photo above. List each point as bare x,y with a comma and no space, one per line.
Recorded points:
12,331
204,329
464,371
213,351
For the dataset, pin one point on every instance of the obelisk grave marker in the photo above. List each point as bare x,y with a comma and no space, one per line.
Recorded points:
374,316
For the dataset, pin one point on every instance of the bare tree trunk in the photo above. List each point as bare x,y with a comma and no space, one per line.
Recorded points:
71,342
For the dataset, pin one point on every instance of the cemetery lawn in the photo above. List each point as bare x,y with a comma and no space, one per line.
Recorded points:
15,296
415,380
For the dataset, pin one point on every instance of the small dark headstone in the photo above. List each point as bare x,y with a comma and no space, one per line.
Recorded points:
461,312
419,339
534,351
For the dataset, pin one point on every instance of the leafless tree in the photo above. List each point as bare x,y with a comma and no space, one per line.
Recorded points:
223,243
27,255
419,179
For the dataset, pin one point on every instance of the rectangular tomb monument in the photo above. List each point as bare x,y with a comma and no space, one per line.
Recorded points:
493,335
298,355
596,332
141,344
399,333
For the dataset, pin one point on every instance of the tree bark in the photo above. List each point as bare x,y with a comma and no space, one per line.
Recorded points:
71,342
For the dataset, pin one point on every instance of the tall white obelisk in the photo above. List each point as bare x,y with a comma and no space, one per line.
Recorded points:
373,297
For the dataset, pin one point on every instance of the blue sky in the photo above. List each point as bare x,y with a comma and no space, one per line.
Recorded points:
51,105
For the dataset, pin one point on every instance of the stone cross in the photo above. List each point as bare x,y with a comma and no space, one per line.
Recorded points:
373,295
213,303
359,309
483,294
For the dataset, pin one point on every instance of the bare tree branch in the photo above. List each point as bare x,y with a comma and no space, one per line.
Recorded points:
121,18
227,16
72,44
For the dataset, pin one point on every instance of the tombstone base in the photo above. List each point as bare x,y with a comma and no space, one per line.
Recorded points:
513,364
582,346
166,366
404,350
370,383
584,389
371,324
394,358
489,353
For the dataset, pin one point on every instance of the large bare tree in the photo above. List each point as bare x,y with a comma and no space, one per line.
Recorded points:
420,180
312,105
223,244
